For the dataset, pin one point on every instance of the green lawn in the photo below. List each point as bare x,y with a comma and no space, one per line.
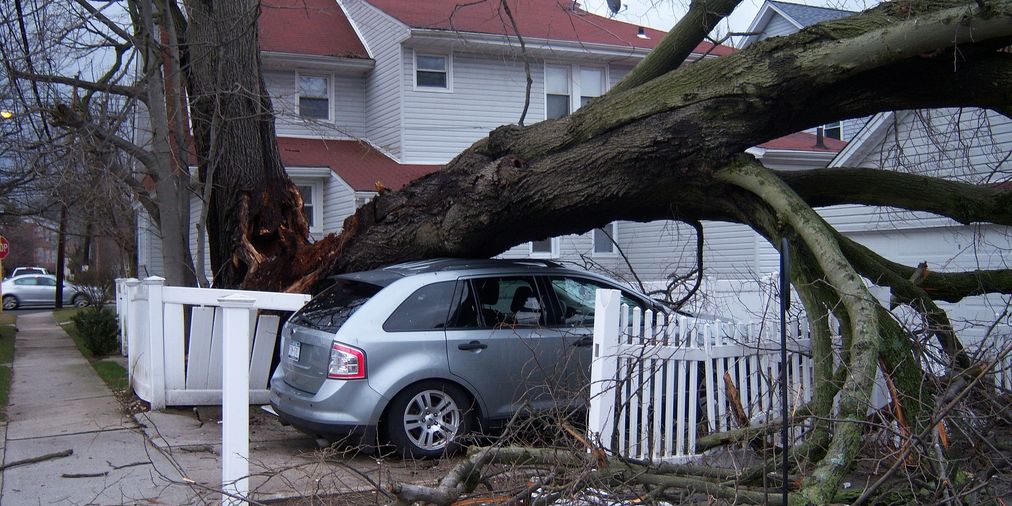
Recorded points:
112,373
7,322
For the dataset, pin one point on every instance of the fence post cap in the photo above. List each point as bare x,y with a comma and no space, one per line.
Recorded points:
132,281
236,300
154,280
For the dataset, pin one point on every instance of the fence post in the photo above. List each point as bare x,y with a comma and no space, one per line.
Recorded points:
129,321
121,313
235,398
156,340
604,367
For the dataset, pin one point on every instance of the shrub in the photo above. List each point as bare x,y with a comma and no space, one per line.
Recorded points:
99,329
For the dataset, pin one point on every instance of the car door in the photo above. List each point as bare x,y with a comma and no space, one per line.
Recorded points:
496,341
573,298
32,290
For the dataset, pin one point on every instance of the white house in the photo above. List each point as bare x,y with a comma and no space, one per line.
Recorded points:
383,91
371,92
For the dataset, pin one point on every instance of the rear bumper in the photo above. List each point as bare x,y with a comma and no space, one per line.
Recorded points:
351,435
340,410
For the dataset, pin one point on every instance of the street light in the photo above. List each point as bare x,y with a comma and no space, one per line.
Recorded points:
5,114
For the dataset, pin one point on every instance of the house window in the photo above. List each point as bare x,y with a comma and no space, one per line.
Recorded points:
309,207
556,92
314,97
545,248
605,239
432,71
563,94
591,84
833,130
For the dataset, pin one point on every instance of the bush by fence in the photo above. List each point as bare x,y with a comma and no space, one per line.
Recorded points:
99,329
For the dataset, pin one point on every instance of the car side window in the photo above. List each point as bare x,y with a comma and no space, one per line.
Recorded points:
25,281
497,302
577,297
425,309
46,281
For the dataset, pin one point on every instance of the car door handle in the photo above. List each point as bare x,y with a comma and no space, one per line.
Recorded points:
583,341
471,346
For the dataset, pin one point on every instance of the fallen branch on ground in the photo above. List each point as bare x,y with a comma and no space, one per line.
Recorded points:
40,458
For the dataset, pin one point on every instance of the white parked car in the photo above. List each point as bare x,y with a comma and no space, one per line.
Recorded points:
21,271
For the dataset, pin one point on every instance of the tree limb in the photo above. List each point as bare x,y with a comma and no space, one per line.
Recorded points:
115,89
963,202
944,286
679,43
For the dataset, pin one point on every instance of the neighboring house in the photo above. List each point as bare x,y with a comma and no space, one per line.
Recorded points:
32,243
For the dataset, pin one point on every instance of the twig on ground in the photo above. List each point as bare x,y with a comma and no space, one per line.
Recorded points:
85,475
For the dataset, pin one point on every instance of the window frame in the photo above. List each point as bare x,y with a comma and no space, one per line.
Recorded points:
569,87
574,84
835,125
329,78
316,191
448,69
554,253
613,242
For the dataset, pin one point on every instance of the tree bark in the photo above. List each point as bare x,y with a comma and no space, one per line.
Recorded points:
255,210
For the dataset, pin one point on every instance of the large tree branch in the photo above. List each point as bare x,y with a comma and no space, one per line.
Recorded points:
963,202
944,286
679,43
127,91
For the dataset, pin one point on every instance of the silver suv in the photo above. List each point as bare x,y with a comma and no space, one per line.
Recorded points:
419,354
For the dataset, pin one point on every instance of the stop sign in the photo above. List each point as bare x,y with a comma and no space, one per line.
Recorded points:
5,247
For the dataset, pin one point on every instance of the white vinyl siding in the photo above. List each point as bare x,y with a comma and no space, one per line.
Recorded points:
963,144
338,204
777,26
383,84
487,92
347,106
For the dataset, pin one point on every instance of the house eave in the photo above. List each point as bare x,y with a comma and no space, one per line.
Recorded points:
535,46
279,59
791,159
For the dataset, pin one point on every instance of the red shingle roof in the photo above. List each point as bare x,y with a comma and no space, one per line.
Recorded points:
804,141
545,19
312,27
357,163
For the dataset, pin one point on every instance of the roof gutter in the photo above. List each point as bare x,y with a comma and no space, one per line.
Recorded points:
535,45
317,62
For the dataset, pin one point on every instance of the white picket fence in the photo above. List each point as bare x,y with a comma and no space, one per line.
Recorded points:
172,364
657,384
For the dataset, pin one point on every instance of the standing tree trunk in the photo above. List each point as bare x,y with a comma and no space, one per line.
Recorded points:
255,210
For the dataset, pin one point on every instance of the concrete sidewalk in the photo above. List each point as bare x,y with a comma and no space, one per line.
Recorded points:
59,403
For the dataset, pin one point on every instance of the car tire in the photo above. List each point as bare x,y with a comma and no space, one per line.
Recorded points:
428,420
81,301
10,302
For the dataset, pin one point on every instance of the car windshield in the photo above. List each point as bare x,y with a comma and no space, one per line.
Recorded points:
332,307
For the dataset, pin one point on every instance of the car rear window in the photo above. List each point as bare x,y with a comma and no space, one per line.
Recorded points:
426,309
333,306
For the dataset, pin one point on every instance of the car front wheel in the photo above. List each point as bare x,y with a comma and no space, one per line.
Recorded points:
428,419
10,302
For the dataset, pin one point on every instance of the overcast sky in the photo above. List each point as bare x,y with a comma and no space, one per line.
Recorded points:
663,14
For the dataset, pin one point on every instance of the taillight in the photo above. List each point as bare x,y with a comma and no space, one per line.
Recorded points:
346,362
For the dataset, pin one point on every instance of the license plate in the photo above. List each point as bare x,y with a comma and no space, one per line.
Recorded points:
294,349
